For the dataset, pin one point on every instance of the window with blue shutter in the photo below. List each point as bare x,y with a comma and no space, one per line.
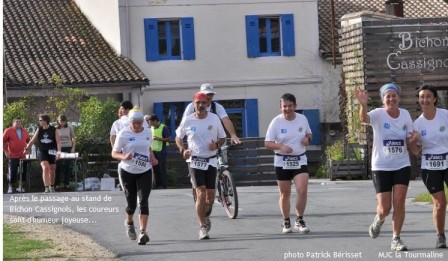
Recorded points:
169,39
270,35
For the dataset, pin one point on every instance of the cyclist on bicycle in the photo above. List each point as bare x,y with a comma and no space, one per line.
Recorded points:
219,110
288,134
205,134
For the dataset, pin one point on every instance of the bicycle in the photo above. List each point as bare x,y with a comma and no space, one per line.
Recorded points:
226,192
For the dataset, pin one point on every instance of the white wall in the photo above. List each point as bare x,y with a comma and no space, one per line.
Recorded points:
220,39
221,55
103,14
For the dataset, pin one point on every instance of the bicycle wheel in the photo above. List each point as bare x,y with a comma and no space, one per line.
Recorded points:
229,195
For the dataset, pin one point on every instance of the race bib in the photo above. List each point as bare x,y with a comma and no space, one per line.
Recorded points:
434,161
291,162
52,152
199,163
393,148
140,161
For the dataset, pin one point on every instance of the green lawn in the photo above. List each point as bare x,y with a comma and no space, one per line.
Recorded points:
426,197
16,246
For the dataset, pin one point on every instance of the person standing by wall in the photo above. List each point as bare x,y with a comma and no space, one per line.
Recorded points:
432,125
49,145
133,148
288,135
68,145
205,134
161,137
391,171
15,139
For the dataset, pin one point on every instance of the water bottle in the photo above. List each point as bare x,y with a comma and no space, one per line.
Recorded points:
33,152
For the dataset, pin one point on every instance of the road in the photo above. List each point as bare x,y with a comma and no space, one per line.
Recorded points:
338,214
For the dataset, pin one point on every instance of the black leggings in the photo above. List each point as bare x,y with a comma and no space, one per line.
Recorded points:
137,185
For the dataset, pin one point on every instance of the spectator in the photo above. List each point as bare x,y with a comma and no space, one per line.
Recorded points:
161,137
15,139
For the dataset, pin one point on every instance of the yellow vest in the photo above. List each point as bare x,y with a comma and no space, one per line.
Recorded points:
157,145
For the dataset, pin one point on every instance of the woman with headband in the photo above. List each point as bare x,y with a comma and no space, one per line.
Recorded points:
432,126
391,171
133,148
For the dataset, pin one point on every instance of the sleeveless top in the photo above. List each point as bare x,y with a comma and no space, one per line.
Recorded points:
47,138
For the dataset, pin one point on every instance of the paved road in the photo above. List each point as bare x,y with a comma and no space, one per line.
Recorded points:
338,214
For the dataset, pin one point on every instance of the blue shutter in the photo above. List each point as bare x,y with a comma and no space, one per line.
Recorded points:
158,110
288,42
252,38
314,121
188,48
151,39
251,117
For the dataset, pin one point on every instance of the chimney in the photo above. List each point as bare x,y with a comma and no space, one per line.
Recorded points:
394,7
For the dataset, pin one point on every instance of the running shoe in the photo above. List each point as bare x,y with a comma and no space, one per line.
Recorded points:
301,227
143,238
52,189
20,190
398,245
130,230
286,226
47,190
375,228
441,241
208,222
9,190
203,232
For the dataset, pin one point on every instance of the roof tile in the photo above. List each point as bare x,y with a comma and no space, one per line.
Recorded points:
47,37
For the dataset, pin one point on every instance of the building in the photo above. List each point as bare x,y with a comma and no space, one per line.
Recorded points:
251,51
44,39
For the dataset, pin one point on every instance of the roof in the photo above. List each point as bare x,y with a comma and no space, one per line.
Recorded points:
412,9
43,38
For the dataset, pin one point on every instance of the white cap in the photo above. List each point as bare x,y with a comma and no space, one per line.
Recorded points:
135,115
207,88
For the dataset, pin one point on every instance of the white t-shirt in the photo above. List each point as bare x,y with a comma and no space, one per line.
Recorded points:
290,133
433,135
119,124
220,111
389,150
137,143
200,134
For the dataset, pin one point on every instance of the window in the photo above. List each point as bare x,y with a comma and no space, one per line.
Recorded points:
243,114
270,35
169,39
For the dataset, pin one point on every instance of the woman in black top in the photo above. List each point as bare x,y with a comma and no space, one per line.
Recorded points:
49,150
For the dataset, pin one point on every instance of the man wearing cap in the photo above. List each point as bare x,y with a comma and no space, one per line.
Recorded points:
216,108
205,134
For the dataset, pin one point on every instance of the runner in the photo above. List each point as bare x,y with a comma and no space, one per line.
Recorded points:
205,134
288,135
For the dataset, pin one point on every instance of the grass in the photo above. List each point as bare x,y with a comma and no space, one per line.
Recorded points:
426,197
16,246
